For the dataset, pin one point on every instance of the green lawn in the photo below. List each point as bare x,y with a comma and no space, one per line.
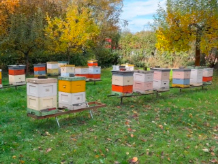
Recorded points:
175,128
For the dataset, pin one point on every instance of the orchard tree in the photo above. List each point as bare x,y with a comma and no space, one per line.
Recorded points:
74,32
184,22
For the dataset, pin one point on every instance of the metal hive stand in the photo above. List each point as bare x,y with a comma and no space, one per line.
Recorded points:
90,106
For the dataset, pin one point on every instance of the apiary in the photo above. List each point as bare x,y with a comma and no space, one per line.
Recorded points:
196,77
39,70
92,63
207,75
60,64
122,82
52,68
82,71
66,70
94,72
181,78
143,81
161,79
16,74
72,92
41,96
0,78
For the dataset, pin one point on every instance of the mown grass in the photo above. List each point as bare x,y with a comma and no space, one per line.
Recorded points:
174,128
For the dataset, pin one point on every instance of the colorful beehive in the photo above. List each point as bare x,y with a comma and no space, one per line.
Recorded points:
207,75
39,70
129,67
72,93
143,81
0,78
94,72
161,79
61,63
52,68
181,78
92,62
66,70
41,96
16,74
82,71
196,78
122,82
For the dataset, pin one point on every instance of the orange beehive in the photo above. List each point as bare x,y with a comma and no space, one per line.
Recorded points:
122,89
16,71
39,68
92,63
207,79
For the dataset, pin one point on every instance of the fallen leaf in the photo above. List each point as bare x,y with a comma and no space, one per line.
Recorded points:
48,150
160,126
127,153
206,150
132,135
96,156
14,157
134,159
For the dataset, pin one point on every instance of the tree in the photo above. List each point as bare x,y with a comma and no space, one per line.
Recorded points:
74,32
184,22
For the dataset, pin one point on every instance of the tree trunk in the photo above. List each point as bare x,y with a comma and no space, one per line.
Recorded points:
197,56
27,62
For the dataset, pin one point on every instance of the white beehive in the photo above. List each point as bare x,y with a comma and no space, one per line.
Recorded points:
17,79
207,72
196,77
143,76
122,80
52,65
81,70
94,70
161,84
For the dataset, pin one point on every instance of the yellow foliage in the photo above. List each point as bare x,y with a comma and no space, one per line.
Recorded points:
76,30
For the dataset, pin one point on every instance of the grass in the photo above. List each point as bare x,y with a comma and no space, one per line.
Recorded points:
175,128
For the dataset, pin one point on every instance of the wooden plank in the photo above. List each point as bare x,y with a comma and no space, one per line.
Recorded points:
61,112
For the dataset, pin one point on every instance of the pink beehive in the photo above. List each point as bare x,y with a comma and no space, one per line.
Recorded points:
181,73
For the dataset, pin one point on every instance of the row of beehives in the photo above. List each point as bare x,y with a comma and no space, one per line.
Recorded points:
127,82
42,94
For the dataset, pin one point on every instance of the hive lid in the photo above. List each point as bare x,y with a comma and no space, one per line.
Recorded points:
41,81
160,69
16,67
52,62
92,61
63,62
39,65
82,67
182,70
67,65
75,78
123,73
208,69
143,72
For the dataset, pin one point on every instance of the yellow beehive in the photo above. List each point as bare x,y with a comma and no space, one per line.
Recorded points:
72,86
0,74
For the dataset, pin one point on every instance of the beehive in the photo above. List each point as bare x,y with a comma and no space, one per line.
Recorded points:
143,81
94,72
82,71
0,78
196,77
122,82
41,96
72,92
161,79
52,68
181,78
39,70
207,75
129,67
115,67
16,74
92,62
66,70
60,64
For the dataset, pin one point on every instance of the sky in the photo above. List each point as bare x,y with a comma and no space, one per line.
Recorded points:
139,13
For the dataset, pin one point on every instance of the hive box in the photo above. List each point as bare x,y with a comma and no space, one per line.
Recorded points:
161,84
161,73
60,64
82,71
39,69
72,101
115,67
142,87
17,79
94,70
72,84
52,65
207,79
122,89
37,73
129,67
122,80
53,72
41,87
207,72
68,69
16,70
196,77
41,103
92,63
181,73
143,76
181,81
